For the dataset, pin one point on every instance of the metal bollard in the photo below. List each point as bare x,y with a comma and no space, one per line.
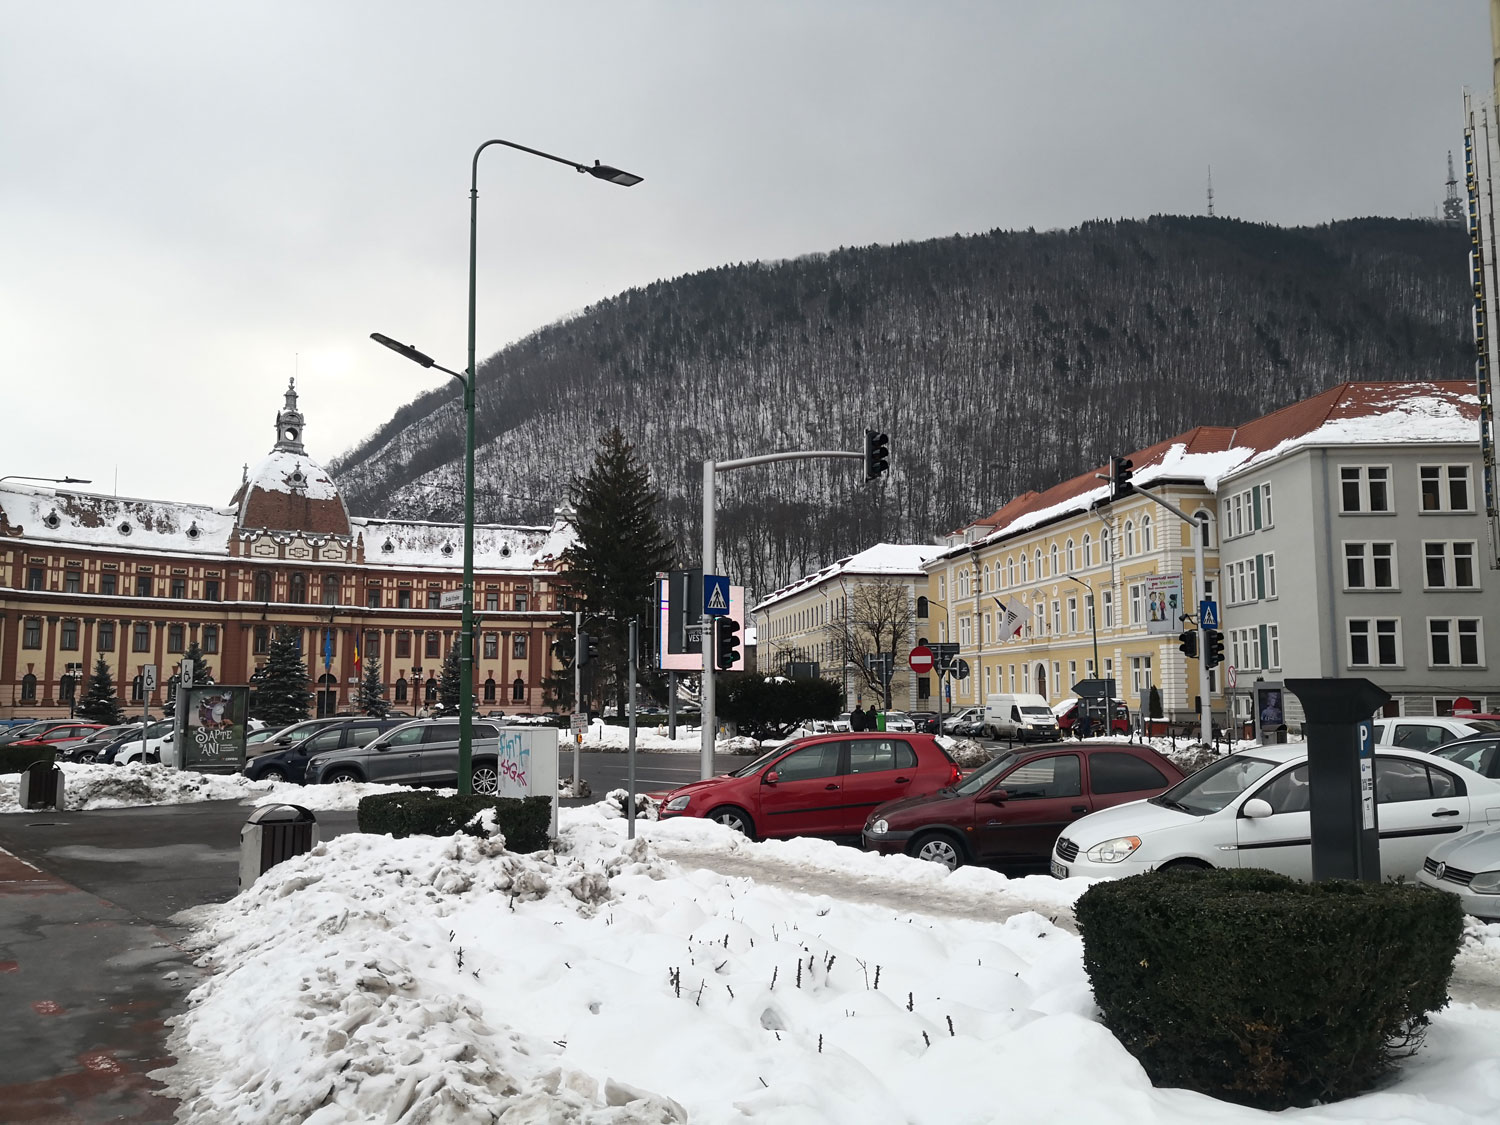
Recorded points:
272,834
41,786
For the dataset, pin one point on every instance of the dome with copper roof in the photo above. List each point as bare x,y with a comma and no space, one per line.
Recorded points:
289,491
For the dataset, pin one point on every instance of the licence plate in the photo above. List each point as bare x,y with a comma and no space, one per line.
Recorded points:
1058,870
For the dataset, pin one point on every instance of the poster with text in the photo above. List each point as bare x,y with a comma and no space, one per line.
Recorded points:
214,725
1164,603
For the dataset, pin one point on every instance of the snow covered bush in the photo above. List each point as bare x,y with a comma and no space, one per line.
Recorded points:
523,822
1253,987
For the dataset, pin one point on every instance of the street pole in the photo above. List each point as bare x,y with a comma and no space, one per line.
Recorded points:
1200,588
706,752
577,703
1109,695
635,624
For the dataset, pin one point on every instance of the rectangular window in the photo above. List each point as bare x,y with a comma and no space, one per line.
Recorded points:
1056,617
1374,642
431,652
369,648
1449,565
434,599
1140,675
1072,615
492,646
69,640
210,640
107,582
140,638
965,633
403,646
106,636
1365,488
1272,645
72,582
1454,642
1267,574
174,638
1369,566
210,589
262,640
372,597
1137,604
1107,603
492,603
518,646
403,599
143,587
36,578
1445,488
1265,506
179,587
520,603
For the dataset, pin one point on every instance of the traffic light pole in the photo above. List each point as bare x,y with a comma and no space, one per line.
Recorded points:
710,549
577,702
1200,589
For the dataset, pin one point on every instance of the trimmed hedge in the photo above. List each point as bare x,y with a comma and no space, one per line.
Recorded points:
1253,987
15,759
523,820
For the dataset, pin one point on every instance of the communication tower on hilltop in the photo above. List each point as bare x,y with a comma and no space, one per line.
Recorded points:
1453,205
1211,185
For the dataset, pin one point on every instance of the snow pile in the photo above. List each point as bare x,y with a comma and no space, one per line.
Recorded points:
427,979
607,738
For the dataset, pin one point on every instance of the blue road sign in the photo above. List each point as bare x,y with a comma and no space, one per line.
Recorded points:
1208,613
716,595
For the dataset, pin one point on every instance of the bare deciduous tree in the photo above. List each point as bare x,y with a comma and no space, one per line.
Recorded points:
878,621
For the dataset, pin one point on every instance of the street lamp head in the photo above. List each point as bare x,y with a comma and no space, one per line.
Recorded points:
406,350
613,175
76,480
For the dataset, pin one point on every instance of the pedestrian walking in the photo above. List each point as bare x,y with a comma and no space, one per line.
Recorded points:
857,719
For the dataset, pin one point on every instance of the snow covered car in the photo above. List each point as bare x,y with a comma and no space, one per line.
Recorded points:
1468,867
1250,809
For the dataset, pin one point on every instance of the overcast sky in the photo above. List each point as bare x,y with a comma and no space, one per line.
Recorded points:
198,200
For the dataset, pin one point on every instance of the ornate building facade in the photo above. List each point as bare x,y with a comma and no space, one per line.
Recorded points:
137,582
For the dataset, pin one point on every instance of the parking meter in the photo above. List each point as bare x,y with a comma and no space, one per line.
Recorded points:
1342,807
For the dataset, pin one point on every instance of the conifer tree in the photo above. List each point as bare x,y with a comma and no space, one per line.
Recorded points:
202,674
99,703
611,570
450,681
281,687
371,699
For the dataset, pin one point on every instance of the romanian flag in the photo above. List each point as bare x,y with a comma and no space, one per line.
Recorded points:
356,655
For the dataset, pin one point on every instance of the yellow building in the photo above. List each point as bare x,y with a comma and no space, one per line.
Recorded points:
1088,576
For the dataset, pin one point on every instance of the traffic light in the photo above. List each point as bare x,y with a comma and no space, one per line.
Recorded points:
1215,641
1187,643
877,454
588,649
727,636
1120,472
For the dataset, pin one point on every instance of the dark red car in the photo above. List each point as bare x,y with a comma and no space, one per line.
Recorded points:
1013,808
820,786
59,737
1067,718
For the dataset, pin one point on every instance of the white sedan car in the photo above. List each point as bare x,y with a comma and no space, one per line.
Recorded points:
1250,809
1468,866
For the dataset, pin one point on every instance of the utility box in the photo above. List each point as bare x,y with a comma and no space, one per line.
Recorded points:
41,786
1342,806
272,834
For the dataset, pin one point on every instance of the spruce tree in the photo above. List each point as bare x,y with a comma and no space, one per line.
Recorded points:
371,699
450,681
202,674
611,569
281,688
99,703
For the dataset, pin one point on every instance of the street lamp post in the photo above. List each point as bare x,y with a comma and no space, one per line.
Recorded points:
467,378
1109,700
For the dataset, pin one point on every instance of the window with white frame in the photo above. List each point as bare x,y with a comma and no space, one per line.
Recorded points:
1140,675
1056,678
1369,566
1137,592
1205,521
1025,677
1106,546
1025,569
1039,620
1455,642
942,589
1109,668
1088,612
1445,488
1267,574
1365,488
1449,565
1088,550
1073,615
987,633
1247,510
1239,581
1010,671
965,633
1036,563
1052,561
1146,543
1244,648
1272,646
1374,642
1056,617
1071,556
1107,604
1129,538
1010,570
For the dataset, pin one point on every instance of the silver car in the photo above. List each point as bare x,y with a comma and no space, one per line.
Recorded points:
1468,866
421,752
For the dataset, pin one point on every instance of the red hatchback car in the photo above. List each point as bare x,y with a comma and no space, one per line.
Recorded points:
1013,808
820,786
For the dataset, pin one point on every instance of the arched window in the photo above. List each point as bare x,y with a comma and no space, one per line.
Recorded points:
1205,530
1025,570
1036,563
1071,556
489,689
1010,570
921,610
297,588
28,688
401,686
262,585
1106,545
1088,551
1146,534
518,691
1052,561
330,589
1129,538
987,586
431,693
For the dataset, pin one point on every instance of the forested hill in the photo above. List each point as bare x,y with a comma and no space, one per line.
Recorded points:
996,362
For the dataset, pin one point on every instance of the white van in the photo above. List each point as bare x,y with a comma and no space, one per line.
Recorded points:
1025,717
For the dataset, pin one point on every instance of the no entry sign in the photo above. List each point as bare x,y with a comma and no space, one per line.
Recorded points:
920,659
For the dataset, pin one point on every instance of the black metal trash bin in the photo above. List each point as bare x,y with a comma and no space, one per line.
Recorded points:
272,834
41,786
1281,733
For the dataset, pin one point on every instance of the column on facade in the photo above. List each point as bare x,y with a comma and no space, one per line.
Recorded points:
49,652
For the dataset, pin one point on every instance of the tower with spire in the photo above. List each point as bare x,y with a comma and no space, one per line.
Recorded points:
289,423
1453,206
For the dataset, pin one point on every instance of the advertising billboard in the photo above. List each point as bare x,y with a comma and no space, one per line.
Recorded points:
1164,603
212,718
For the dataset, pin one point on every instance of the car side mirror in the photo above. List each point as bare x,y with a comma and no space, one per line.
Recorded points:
997,796
770,778
1257,809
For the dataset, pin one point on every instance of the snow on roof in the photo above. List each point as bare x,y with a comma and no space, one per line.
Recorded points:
881,559
286,471
51,515
496,546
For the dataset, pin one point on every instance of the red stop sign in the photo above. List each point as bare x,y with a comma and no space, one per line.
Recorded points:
920,659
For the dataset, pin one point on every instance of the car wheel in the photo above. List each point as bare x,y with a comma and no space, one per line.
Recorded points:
273,773
88,756
731,817
1186,865
342,773
154,759
938,847
486,778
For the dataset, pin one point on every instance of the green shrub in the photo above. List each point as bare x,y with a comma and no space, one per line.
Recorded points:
1250,986
15,759
523,820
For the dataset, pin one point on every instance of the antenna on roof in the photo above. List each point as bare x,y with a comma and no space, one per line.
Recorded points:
1210,191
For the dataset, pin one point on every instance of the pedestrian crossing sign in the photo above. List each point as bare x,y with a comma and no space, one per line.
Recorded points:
716,595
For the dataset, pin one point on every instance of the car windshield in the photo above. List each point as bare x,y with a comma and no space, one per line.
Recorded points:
30,730
986,773
1039,712
1214,786
766,758
897,715
1485,725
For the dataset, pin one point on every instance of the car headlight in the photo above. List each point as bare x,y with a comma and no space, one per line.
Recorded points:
1486,883
677,804
1113,851
878,827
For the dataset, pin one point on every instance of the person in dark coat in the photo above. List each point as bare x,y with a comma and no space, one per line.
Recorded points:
857,719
